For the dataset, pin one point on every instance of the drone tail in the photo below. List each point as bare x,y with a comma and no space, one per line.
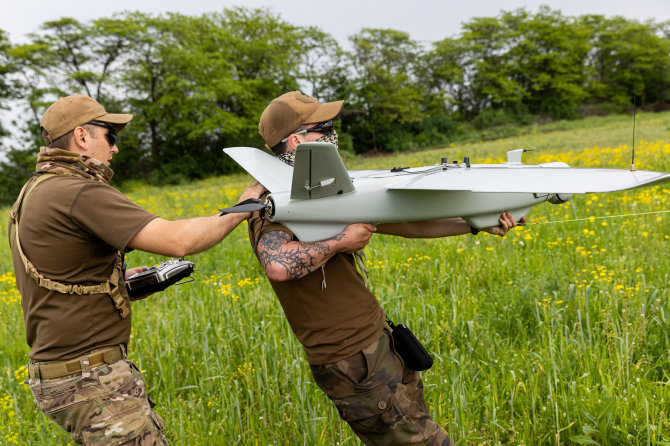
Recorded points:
319,172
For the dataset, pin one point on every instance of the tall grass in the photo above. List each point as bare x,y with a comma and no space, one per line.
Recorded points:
556,334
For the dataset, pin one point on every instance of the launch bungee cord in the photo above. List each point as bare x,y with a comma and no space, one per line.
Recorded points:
597,218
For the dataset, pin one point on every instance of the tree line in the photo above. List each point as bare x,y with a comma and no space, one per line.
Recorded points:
197,84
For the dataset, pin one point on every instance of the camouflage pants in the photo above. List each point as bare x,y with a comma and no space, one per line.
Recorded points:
101,405
381,399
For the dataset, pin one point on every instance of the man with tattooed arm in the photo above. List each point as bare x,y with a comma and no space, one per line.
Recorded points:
335,317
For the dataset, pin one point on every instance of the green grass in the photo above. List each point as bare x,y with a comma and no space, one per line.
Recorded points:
557,334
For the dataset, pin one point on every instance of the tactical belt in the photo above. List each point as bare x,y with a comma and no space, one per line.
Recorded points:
63,368
111,287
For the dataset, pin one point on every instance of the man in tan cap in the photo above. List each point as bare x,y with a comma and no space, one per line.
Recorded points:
294,118
68,230
333,314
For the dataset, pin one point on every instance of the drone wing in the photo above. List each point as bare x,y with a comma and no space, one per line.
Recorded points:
272,173
531,179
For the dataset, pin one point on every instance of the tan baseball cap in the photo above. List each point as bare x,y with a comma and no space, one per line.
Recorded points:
72,111
291,110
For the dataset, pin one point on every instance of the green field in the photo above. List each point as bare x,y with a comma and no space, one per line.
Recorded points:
558,333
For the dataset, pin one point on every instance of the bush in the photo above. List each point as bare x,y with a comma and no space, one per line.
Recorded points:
345,143
501,117
395,139
14,173
435,131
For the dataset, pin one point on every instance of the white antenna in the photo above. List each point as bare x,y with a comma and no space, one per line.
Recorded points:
632,162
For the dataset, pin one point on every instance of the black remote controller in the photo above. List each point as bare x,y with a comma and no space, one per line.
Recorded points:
157,278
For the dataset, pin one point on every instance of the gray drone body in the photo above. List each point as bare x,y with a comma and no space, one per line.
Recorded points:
318,197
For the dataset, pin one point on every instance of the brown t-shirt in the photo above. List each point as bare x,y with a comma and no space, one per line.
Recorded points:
331,323
71,229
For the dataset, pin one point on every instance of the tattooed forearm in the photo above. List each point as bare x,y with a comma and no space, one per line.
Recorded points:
296,259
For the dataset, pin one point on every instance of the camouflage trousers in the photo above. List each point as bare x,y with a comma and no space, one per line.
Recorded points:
102,405
381,399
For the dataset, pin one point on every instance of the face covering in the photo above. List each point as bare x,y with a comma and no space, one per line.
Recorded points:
331,138
289,157
64,162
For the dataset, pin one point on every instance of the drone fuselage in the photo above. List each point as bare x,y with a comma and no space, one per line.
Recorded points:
372,202
318,197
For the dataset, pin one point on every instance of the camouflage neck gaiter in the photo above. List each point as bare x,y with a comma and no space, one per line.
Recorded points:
64,162
331,138
289,157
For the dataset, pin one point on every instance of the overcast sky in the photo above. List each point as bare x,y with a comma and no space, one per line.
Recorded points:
424,20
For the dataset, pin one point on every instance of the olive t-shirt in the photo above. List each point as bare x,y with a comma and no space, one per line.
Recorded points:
71,229
334,322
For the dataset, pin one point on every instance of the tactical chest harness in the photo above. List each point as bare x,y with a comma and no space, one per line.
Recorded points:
110,287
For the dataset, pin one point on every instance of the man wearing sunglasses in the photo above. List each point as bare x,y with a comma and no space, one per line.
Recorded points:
68,230
335,317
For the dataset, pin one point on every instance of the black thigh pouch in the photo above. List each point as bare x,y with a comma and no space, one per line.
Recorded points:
409,348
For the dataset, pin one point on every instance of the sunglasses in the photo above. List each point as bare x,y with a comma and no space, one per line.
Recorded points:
111,135
322,127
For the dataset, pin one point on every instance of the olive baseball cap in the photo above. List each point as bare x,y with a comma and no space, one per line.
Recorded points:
69,112
291,110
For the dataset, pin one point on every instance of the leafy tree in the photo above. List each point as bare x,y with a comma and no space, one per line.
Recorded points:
265,53
326,71
324,67
489,84
442,76
547,58
158,82
14,172
67,57
6,91
198,84
63,58
629,59
385,88
15,165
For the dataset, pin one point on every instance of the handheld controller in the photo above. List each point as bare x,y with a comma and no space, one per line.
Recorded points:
157,278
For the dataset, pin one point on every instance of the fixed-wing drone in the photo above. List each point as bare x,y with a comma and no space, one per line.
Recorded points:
318,197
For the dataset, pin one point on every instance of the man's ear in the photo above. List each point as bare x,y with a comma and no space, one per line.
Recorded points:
293,141
80,137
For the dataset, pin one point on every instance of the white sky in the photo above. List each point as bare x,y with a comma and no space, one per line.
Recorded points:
424,20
